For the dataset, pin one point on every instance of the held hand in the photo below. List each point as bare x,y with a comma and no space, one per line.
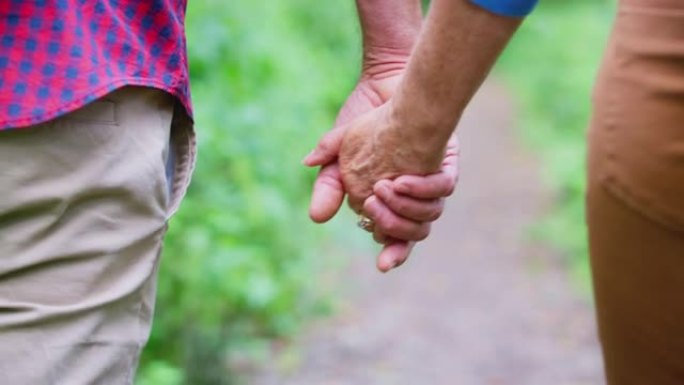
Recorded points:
401,214
374,88
404,208
371,148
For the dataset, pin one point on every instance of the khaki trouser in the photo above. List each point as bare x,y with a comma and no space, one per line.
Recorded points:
84,201
636,195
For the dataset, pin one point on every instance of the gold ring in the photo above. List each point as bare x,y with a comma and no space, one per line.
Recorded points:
366,223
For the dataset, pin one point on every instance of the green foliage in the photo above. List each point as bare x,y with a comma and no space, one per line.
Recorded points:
160,372
551,65
240,257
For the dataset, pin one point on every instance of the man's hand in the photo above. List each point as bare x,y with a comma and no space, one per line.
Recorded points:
371,148
401,209
390,30
415,200
375,87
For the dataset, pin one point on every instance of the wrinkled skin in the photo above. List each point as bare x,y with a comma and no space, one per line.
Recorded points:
403,192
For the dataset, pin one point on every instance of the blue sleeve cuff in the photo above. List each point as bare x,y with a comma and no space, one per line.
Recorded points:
515,8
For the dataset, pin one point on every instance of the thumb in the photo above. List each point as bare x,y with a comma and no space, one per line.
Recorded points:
328,194
327,149
394,254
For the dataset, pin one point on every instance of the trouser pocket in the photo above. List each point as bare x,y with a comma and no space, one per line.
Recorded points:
182,158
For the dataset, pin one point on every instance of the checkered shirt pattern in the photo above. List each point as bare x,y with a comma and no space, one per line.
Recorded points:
58,55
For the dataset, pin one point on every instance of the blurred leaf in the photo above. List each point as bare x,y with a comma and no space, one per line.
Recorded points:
241,255
551,64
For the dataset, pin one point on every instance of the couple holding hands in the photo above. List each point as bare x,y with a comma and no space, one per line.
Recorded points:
394,151
97,146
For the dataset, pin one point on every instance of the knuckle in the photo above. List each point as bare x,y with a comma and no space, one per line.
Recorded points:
390,199
329,180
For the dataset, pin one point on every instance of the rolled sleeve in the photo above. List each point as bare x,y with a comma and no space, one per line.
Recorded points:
513,8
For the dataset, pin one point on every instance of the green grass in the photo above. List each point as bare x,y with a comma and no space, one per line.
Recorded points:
550,66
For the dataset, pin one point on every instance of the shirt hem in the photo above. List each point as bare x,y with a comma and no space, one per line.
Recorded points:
92,95
520,8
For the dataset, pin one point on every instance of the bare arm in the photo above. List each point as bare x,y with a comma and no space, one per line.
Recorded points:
458,47
456,50
390,29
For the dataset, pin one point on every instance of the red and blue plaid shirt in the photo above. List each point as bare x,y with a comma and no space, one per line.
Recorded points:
58,55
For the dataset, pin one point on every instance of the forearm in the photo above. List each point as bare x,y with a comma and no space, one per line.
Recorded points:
390,29
459,44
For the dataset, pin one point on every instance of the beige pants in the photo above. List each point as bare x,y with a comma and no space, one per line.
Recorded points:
84,201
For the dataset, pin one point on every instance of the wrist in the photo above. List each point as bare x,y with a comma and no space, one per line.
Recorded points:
390,29
422,141
429,117
383,62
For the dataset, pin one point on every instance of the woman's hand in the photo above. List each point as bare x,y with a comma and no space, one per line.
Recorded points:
407,206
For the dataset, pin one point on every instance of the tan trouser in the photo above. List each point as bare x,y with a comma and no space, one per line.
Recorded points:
84,201
636,195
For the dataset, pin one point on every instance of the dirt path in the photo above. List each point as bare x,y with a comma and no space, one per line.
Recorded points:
476,305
